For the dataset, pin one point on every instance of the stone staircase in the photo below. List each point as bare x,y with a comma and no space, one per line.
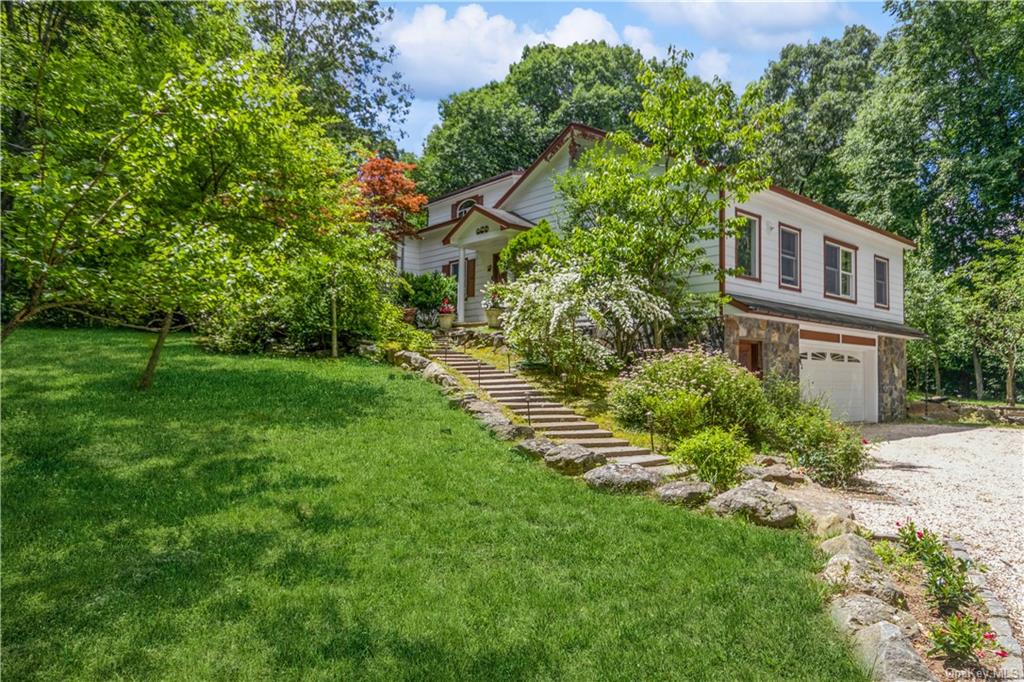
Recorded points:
548,417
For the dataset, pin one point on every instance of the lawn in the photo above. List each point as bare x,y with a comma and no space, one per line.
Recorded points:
258,517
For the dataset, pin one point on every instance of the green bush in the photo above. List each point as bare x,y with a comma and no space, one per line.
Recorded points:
963,639
426,292
832,451
519,254
719,455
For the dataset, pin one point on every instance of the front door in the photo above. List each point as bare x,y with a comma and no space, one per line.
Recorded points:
750,356
496,274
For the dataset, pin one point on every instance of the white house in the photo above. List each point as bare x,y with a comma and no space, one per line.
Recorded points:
821,296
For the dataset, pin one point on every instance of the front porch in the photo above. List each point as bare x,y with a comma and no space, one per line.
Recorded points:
479,236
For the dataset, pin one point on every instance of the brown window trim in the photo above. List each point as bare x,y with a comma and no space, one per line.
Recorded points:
888,287
736,246
799,258
478,199
824,259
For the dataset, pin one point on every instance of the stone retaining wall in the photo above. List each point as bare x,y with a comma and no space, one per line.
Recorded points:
892,378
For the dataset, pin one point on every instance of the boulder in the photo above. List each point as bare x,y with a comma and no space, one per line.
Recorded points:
884,650
852,545
855,574
573,459
439,375
621,478
828,513
408,358
779,473
536,448
481,407
502,427
856,611
757,501
687,493
829,525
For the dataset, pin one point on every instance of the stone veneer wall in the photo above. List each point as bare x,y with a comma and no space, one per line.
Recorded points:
892,378
780,343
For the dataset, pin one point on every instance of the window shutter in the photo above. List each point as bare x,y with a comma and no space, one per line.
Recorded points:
446,269
470,277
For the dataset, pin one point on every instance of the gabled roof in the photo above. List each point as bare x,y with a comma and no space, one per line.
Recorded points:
506,219
839,214
478,183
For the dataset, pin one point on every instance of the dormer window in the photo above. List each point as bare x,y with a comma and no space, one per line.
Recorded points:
464,207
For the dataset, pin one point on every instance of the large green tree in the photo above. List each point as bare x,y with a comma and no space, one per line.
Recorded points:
504,125
822,84
943,131
332,48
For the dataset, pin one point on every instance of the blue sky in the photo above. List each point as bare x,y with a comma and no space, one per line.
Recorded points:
444,47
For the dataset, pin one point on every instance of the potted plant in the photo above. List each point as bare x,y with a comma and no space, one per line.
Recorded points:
404,297
493,308
445,315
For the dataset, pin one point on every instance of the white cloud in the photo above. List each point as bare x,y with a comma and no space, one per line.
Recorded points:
643,40
581,25
441,52
711,63
757,25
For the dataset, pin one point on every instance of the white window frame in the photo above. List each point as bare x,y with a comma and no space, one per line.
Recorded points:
845,276
754,225
881,260
797,257
464,207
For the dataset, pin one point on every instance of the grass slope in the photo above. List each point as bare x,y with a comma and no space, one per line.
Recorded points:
256,517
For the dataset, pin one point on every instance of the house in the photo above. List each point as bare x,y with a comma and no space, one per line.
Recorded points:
820,297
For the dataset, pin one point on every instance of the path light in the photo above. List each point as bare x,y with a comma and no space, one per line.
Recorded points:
565,378
529,417
508,359
650,427
479,365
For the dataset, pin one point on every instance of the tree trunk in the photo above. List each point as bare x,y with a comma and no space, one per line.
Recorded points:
147,376
938,374
979,380
1011,389
334,324
19,318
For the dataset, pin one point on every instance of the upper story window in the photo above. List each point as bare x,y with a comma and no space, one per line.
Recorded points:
463,207
748,246
840,270
789,257
881,282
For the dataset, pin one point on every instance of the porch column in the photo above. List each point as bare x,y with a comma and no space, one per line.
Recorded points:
460,304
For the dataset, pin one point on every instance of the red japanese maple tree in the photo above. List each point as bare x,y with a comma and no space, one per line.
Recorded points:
390,195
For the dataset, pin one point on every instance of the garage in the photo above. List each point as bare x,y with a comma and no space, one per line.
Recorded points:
841,376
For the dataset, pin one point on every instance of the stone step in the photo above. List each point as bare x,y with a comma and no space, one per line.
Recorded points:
566,426
670,470
652,460
504,383
621,450
547,412
591,434
599,443
516,392
546,419
516,403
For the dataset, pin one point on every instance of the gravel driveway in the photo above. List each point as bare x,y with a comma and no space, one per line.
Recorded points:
967,482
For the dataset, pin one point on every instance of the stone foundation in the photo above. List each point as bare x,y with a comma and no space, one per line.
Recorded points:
892,378
780,343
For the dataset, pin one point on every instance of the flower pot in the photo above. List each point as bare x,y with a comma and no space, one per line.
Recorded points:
445,320
409,315
493,317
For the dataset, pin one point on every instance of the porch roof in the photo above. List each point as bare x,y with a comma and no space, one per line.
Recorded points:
505,219
758,306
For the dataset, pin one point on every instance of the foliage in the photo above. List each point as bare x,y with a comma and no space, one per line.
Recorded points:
718,454
518,255
241,506
940,133
930,305
425,292
948,588
642,207
729,396
331,47
922,544
833,452
993,301
822,84
505,125
390,197
962,638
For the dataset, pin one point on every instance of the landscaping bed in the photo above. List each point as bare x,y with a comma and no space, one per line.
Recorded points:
256,517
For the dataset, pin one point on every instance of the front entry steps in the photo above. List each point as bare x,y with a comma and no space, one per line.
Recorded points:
547,416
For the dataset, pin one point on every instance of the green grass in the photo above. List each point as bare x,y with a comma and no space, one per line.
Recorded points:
274,518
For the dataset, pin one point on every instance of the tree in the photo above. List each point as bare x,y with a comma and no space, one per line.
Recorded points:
504,125
929,306
822,84
390,197
331,48
643,207
995,282
943,131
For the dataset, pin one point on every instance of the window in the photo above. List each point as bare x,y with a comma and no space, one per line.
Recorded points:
840,265
881,282
748,246
464,207
789,257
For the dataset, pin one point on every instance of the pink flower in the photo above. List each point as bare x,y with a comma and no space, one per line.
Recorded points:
865,441
1002,653
899,525
990,635
920,534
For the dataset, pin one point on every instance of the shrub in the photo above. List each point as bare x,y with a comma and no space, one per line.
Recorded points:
832,451
729,395
425,292
948,587
963,638
526,248
718,455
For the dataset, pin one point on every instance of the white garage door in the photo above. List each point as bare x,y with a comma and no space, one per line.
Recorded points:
835,376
